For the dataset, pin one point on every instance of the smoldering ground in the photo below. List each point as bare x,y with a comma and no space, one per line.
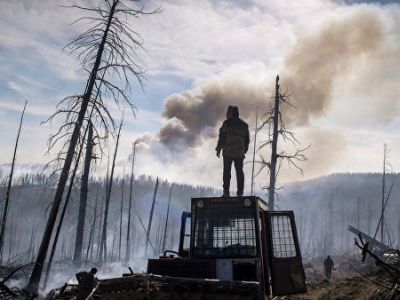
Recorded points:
314,72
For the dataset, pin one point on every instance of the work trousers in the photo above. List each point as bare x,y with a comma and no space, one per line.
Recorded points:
239,174
328,273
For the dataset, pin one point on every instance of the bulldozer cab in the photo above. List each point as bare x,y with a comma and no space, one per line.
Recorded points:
238,239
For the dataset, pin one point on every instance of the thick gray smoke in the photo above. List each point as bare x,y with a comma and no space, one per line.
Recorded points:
309,72
195,114
314,64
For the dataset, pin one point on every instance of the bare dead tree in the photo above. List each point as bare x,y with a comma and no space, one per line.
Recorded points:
7,200
385,165
121,213
108,47
103,245
80,228
164,241
273,120
128,241
91,234
254,154
151,219
64,209
60,221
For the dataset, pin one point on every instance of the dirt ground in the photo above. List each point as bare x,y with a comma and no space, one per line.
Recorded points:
346,282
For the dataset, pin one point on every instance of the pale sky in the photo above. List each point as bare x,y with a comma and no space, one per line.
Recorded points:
340,59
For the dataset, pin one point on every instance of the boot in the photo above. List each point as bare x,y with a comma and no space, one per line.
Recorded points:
226,194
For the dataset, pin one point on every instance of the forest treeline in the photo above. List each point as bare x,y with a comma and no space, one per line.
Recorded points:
31,198
324,208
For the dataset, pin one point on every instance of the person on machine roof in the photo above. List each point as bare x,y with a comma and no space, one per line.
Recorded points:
234,139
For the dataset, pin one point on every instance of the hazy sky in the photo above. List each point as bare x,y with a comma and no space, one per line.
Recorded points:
340,60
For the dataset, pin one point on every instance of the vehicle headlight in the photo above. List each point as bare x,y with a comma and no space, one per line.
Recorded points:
247,202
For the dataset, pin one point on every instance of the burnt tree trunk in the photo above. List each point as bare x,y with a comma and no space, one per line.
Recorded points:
7,200
99,245
274,144
128,241
34,280
383,194
151,218
64,210
83,199
103,247
91,234
121,213
254,154
166,220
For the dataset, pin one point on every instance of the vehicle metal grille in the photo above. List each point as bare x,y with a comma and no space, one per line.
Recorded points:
224,228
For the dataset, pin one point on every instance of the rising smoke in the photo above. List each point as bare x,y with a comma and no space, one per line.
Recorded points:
309,72
311,68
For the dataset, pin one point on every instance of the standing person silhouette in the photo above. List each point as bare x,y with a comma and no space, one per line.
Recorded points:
234,139
328,266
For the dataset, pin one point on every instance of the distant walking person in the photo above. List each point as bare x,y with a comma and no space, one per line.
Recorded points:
328,266
234,139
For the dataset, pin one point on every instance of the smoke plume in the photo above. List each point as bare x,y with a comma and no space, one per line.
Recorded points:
309,72
195,114
314,64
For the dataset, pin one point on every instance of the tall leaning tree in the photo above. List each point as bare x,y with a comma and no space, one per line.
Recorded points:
106,52
276,130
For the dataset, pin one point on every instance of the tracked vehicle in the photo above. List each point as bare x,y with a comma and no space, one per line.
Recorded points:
229,247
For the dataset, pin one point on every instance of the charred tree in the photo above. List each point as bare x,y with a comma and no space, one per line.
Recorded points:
99,245
64,209
128,232
83,199
103,246
7,199
91,234
61,220
151,218
254,154
276,129
31,244
108,45
121,213
385,153
166,220
274,144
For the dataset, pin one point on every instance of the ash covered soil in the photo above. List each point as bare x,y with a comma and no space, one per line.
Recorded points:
346,282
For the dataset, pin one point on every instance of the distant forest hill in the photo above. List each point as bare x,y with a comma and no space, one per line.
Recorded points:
324,207
32,194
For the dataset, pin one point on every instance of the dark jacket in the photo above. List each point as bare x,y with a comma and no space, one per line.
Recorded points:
328,263
234,138
86,281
